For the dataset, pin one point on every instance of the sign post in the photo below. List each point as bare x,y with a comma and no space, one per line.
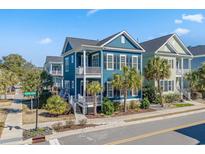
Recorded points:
30,94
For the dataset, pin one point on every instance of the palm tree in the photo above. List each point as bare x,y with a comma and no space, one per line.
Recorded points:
193,79
157,69
128,80
93,88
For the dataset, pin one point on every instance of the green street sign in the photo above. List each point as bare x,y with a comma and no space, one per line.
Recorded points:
33,93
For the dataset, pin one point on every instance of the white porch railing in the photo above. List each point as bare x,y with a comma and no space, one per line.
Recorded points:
89,71
89,100
56,72
179,71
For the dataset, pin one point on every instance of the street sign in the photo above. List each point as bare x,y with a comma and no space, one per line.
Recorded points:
33,93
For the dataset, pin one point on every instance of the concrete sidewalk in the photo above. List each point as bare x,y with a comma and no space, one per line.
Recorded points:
13,131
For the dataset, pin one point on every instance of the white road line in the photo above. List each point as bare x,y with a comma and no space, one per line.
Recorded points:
54,142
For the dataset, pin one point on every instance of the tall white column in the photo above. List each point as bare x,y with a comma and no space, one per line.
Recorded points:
84,73
51,65
141,66
182,77
101,66
75,76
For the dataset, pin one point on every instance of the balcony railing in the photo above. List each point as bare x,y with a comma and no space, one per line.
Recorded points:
89,71
179,71
57,72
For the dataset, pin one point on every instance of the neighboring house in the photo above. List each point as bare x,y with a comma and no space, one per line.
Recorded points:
54,66
170,47
88,60
198,53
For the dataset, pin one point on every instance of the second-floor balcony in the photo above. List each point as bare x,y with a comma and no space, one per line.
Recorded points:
182,72
56,72
88,71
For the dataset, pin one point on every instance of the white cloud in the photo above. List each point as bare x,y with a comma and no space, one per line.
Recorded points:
90,12
194,17
182,31
46,40
178,21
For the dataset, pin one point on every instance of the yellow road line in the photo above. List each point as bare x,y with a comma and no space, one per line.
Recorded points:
121,141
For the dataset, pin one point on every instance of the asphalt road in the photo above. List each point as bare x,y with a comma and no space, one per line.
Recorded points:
184,130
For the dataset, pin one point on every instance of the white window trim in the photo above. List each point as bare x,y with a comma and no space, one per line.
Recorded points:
109,82
72,84
112,62
125,60
137,61
72,58
133,94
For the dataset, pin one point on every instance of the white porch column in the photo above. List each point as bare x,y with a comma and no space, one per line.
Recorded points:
62,71
141,66
75,76
84,73
101,66
182,77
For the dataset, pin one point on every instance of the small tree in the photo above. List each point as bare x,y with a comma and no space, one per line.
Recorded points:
128,80
56,105
93,88
193,79
157,69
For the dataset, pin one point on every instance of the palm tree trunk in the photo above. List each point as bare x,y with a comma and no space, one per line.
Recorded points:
160,92
125,98
94,105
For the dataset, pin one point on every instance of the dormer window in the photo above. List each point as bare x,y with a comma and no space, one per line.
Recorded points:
122,39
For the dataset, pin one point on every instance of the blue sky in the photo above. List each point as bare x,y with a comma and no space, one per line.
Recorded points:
37,33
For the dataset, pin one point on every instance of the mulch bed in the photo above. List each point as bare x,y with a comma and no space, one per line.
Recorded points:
73,127
129,112
30,133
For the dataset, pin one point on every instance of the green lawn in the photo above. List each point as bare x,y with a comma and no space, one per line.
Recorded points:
183,104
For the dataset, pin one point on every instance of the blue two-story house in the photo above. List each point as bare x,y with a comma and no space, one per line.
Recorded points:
88,60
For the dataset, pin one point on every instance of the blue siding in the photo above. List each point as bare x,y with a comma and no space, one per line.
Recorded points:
70,75
117,43
197,62
108,74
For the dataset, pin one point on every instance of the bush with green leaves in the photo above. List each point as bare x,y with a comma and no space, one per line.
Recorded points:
56,105
145,103
117,106
171,98
108,107
150,92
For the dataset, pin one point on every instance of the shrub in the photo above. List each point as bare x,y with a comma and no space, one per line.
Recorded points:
56,105
82,122
43,98
150,92
69,123
133,105
108,107
117,106
57,126
171,98
145,103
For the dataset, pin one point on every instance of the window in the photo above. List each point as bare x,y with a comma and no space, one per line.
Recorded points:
72,84
170,86
67,64
122,61
162,85
171,63
95,60
165,85
109,89
122,39
110,62
135,62
134,92
67,85
72,59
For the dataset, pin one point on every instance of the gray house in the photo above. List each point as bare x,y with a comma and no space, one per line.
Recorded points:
170,47
54,66
198,53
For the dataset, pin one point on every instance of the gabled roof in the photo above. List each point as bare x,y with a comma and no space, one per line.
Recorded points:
154,44
197,50
54,59
76,43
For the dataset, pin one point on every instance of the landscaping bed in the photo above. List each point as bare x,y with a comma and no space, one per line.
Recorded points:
120,113
31,133
4,102
28,116
183,104
3,114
